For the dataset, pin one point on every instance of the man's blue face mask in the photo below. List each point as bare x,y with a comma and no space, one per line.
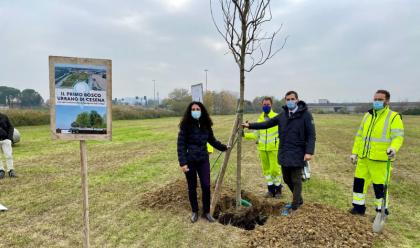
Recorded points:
291,104
378,105
266,109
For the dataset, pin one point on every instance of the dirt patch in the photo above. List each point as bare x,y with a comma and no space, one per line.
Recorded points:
245,217
172,196
312,225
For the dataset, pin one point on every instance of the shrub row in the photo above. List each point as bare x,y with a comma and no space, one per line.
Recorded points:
31,117
28,117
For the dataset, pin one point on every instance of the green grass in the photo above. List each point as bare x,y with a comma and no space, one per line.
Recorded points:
45,206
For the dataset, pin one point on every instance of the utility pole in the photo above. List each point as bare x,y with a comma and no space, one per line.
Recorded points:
154,92
206,77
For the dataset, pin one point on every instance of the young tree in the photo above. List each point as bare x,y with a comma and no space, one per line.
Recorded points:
242,29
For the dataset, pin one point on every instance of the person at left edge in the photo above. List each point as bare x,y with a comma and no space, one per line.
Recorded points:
6,137
195,131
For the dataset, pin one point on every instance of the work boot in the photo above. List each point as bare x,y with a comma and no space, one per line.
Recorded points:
208,217
194,217
277,191
358,210
386,211
12,173
271,191
1,174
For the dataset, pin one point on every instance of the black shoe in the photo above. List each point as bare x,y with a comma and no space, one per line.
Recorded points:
386,211
1,174
208,217
354,211
194,217
277,191
271,191
12,173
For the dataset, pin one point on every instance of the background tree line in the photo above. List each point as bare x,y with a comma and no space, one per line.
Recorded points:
218,103
13,97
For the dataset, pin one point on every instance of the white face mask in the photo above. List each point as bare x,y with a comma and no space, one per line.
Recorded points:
196,114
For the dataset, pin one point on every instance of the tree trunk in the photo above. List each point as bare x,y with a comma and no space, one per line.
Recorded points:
244,22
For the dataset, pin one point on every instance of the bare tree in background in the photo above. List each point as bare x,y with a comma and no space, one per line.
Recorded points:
242,29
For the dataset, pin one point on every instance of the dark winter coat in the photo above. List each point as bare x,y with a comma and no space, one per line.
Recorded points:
192,143
296,132
6,128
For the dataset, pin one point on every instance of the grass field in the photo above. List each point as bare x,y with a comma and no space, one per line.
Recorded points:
45,207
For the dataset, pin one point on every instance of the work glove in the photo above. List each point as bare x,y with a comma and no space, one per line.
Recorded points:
391,152
353,158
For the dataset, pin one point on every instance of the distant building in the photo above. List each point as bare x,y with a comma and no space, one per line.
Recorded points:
132,101
323,101
329,107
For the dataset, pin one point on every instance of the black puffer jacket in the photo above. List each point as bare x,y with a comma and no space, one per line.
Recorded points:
192,143
6,128
296,132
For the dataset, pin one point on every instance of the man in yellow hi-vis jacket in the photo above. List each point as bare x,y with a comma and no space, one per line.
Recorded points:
378,139
268,144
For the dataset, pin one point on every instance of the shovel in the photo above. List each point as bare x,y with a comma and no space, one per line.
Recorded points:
379,222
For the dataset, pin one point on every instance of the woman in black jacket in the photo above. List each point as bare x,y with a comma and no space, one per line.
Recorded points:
195,130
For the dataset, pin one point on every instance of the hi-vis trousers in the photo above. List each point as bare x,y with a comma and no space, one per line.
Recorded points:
367,172
270,167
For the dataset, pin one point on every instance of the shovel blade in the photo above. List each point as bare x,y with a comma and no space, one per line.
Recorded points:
378,223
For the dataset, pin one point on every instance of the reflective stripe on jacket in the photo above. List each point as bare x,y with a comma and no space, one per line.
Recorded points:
267,139
378,131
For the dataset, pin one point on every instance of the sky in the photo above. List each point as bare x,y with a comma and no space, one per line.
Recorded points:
338,50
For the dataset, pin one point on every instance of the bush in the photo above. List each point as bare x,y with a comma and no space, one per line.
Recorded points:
413,111
124,112
31,117
28,117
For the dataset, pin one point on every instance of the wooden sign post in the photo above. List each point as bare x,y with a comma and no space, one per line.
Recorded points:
80,109
85,193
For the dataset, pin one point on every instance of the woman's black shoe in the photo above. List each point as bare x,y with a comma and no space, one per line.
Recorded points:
208,217
194,217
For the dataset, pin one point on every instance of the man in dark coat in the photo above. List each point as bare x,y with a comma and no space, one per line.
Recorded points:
297,142
6,137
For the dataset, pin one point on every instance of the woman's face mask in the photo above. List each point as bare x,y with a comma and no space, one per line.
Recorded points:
196,114
195,111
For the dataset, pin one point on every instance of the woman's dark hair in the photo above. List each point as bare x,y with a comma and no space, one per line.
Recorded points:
187,119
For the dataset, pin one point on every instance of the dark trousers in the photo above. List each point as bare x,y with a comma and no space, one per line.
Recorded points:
201,168
292,176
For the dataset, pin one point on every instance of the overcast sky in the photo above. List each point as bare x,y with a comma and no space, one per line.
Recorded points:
339,50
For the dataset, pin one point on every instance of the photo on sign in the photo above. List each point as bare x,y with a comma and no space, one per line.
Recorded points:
80,93
80,77
83,120
80,99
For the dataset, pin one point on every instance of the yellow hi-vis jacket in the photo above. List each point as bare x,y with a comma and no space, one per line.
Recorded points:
267,139
378,131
